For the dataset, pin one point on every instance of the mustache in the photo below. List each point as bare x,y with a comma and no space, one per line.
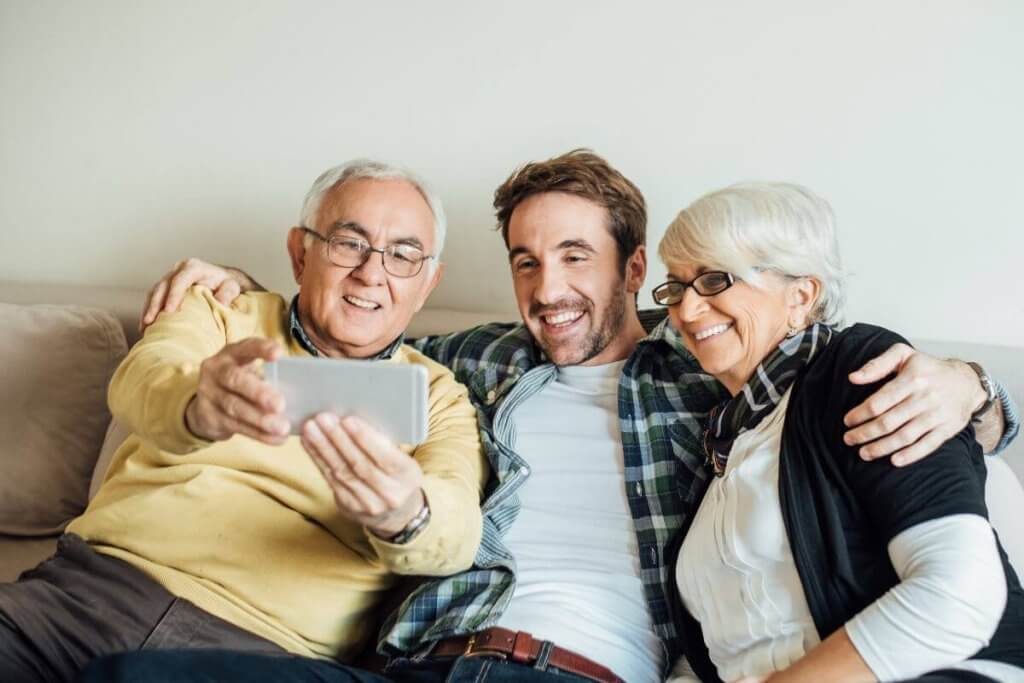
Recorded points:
538,309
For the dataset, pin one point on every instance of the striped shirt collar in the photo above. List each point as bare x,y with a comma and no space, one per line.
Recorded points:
299,334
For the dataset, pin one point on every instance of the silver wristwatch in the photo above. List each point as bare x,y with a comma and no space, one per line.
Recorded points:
414,527
990,391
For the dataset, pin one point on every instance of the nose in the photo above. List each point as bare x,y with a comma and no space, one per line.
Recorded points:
550,285
372,271
692,305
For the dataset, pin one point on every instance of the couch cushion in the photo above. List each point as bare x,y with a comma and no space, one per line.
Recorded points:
57,361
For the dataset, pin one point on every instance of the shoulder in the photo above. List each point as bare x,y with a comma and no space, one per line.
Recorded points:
440,380
849,349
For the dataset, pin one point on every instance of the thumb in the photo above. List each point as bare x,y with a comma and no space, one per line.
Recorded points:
254,348
881,367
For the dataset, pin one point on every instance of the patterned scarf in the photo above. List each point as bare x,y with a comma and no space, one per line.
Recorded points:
762,392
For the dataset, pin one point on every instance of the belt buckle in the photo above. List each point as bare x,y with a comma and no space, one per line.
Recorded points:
468,652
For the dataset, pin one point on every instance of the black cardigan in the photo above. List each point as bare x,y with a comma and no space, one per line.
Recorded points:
840,512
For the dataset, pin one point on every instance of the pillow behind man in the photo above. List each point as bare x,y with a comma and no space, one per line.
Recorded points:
57,362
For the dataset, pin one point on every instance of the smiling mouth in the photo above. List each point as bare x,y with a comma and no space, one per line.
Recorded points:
561,320
712,331
361,303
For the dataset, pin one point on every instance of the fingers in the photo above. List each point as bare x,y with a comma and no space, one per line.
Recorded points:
251,349
881,367
154,303
192,271
388,457
891,394
228,291
232,398
349,470
894,439
377,491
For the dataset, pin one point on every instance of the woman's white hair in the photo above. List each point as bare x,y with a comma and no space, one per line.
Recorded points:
374,170
748,228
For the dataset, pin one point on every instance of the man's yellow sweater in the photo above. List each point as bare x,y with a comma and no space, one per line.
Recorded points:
250,532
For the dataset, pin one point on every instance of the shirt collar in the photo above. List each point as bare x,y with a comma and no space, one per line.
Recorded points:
299,334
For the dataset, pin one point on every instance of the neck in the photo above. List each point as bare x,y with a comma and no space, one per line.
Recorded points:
624,342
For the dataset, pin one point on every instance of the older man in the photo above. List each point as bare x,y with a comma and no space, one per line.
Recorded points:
214,528
591,413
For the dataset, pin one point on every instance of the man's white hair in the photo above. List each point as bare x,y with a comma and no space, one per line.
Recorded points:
374,170
748,228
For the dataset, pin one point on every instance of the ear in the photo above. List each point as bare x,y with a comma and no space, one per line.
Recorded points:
636,270
297,252
429,286
801,297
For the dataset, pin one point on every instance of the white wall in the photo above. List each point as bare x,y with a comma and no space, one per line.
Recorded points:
136,133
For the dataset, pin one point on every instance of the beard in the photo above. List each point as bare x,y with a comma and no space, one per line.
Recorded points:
606,325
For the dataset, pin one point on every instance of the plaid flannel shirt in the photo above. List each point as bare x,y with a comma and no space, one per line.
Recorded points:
663,397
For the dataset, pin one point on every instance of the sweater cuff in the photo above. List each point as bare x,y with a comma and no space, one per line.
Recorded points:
436,549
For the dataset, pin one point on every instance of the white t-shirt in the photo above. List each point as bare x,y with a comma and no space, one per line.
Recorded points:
578,568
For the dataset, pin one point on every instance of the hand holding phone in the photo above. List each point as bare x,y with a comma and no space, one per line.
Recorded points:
389,397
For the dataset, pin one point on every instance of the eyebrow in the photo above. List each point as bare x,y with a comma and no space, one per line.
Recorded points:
353,226
562,246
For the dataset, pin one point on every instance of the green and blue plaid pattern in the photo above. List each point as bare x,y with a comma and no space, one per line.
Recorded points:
663,398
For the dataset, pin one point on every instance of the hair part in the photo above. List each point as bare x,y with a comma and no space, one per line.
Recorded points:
369,169
748,228
584,174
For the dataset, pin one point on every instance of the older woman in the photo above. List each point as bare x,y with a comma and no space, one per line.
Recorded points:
804,562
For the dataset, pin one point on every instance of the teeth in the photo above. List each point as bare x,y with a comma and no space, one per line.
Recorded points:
361,303
563,318
711,331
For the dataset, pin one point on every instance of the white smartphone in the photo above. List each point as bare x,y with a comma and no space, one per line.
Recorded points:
391,397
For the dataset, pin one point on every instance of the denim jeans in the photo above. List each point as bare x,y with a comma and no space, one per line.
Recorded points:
209,666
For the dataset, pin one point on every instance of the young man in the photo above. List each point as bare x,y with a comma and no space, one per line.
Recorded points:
214,528
591,415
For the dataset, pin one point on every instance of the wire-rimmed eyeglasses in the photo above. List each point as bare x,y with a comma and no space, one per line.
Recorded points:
346,251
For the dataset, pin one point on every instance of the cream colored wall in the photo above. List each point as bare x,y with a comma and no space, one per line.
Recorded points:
133,134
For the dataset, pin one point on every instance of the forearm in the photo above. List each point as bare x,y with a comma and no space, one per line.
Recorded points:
951,594
151,389
834,659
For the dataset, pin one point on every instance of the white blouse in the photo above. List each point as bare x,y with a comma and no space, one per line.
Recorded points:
737,576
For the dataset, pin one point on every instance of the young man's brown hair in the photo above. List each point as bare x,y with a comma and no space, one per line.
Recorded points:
584,174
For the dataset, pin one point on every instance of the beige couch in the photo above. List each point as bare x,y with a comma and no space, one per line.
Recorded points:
63,342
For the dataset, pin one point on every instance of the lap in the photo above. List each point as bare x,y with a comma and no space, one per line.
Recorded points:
209,666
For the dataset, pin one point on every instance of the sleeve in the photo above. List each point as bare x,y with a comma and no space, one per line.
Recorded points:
438,347
1011,418
155,382
950,481
947,606
454,470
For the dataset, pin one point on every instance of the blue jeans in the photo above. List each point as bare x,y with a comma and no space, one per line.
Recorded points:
210,666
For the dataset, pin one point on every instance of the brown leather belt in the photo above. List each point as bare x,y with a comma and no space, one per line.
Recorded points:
522,648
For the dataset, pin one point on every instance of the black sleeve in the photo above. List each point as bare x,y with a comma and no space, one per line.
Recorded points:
949,481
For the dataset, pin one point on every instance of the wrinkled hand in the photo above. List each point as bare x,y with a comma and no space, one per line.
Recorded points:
234,399
374,482
168,293
928,401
